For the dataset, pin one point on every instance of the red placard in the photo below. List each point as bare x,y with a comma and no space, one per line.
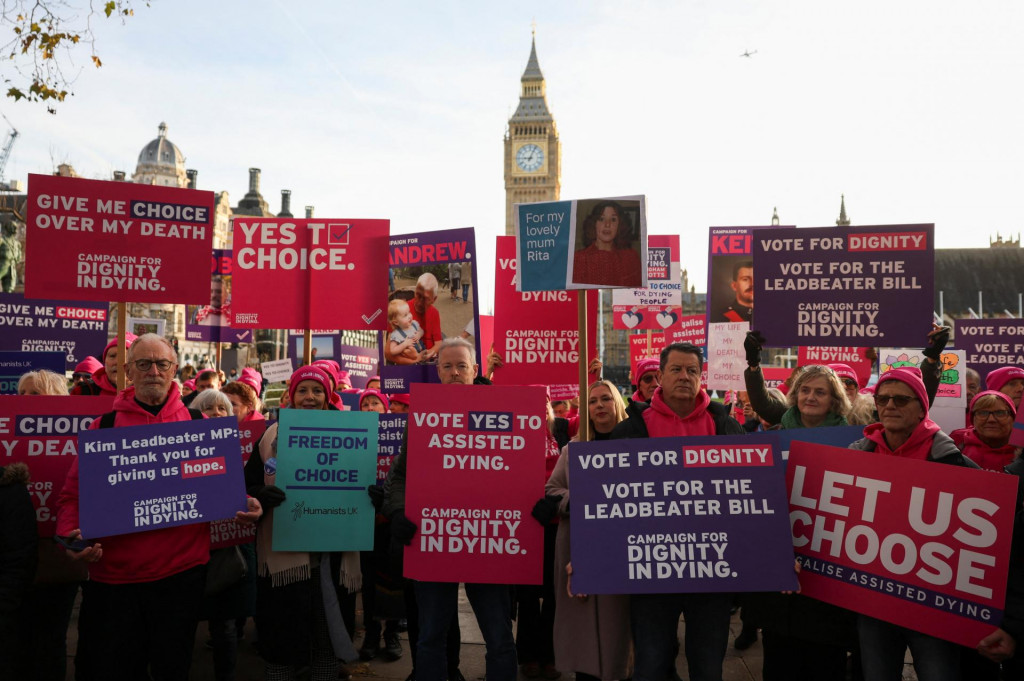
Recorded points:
854,357
536,332
916,543
96,240
692,329
42,431
639,349
290,273
474,472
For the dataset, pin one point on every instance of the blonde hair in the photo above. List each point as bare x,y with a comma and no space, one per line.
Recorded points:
862,413
840,402
45,382
620,407
395,309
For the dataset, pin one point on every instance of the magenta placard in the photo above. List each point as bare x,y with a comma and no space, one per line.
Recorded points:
475,469
852,356
659,306
42,431
916,543
536,332
97,240
692,329
289,273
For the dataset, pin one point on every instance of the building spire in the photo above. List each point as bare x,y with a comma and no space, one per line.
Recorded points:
775,215
843,221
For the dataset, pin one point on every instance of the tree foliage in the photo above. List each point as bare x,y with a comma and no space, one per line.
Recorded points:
44,38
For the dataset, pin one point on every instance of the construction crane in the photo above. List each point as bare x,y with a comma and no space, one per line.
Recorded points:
5,153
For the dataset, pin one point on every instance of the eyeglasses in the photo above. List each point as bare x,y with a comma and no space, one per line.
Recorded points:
461,368
850,383
145,365
647,378
898,400
999,414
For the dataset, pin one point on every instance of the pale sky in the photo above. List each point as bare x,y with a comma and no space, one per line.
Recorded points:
397,110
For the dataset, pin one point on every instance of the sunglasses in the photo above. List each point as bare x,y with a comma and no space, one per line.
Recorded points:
898,400
647,378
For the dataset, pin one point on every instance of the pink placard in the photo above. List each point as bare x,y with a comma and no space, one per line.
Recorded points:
692,329
916,543
657,307
42,431
854,357
97,240
536,332
475,469
290,273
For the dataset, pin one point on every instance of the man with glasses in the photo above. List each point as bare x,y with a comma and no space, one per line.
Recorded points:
141,603
905,430
433,634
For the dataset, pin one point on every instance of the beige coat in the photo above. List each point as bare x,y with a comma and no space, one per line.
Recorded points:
592,635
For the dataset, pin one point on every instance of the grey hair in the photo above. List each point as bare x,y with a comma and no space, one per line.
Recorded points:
457,342
149,338
209,397
428,281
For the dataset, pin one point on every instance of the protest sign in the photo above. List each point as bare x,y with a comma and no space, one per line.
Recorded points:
228,532
42,431
486,322
326,344
325,460
679,515
951,397
212,322
425,260
642,346
775,376
730,274
991,343
922,545
96,240
844,285
391,427
726,357
536,332
277,370
588,243
359,362
834,436
692,330
74,327
143,325
139,478
288,272
475,469
659,306
14,364
854,357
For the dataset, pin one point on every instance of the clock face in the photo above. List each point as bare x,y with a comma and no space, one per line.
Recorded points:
530,157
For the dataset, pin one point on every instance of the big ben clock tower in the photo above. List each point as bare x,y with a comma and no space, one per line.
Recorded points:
533,154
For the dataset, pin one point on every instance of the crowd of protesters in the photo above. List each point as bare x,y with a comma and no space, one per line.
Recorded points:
143,594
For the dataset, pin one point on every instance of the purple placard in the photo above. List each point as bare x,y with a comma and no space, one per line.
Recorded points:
14,364
76,328
389,441
324,346
991,343
660,515
213,322
844,285
140,478
359,362
412,256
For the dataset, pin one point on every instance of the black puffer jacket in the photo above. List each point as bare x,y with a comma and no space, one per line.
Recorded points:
17,537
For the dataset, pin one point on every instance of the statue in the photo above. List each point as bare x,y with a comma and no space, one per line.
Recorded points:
10,256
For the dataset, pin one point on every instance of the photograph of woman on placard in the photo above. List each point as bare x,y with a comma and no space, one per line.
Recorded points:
607,245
